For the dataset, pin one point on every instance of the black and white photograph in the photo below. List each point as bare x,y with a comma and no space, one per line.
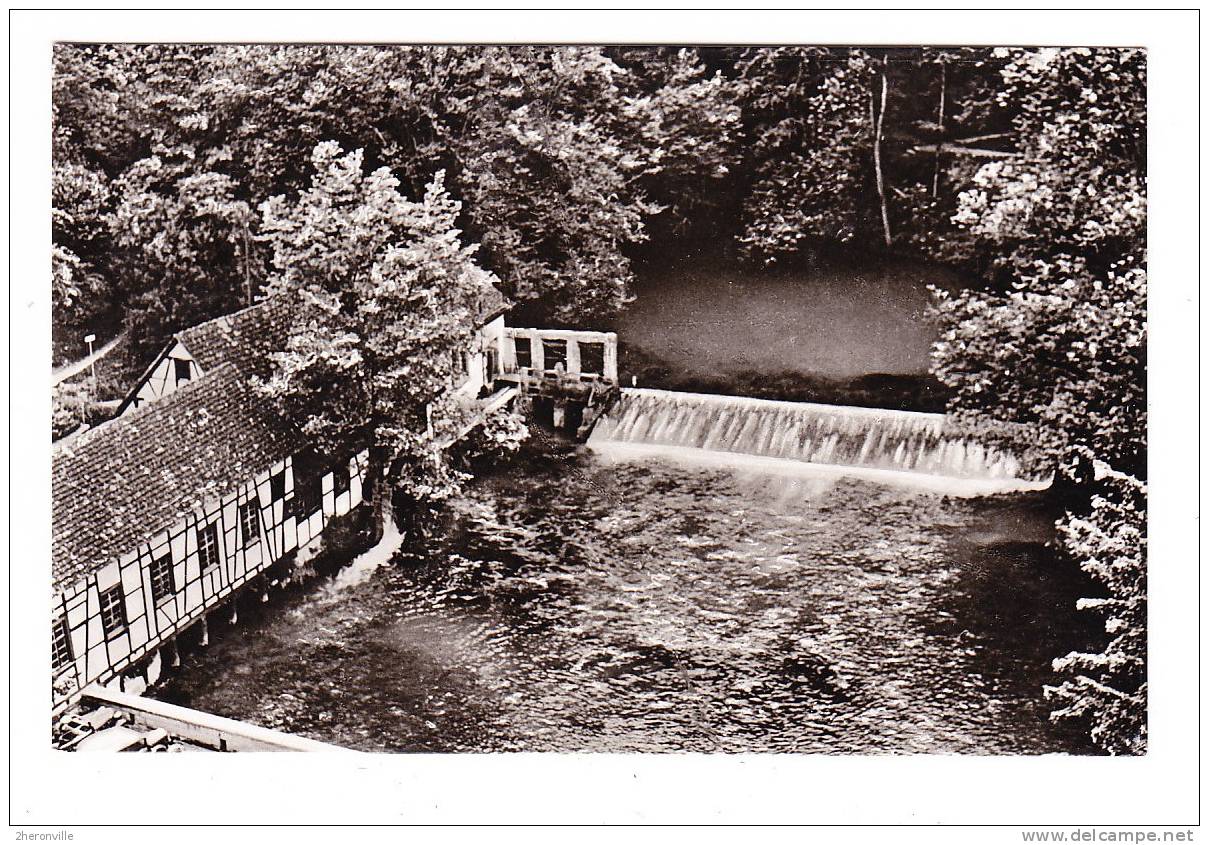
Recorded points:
679,399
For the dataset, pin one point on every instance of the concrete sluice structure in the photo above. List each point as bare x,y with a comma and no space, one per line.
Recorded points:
903,447
109,721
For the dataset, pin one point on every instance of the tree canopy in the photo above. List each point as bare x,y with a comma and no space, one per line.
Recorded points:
384,293
1051,356
561,157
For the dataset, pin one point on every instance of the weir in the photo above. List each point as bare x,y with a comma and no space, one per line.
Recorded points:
899,446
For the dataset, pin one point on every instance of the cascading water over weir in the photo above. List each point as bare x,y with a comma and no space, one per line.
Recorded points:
799,438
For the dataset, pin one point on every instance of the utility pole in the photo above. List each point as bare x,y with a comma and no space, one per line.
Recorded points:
92,364
85,398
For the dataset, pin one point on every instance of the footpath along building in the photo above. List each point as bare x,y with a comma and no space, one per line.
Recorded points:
191,493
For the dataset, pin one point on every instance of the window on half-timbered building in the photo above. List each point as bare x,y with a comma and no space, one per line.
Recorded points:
60,644
163,579
182,369
249,522
308,494
207,546
277,486
341,479
113,610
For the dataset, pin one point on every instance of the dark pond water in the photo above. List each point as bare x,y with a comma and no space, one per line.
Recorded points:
588,605
836,318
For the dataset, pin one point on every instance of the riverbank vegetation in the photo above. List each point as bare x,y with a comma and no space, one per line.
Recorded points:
1052,355
189,180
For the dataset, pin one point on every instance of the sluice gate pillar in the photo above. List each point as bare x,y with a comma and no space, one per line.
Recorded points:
575,371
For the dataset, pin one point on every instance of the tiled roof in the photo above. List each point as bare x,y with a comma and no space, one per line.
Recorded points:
117,485
122,482
244,338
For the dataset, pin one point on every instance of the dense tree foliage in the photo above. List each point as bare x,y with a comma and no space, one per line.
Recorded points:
545,161
810,114
80,206
1055,363
1108,688
180,244
1076,191
690,121
1052,356
561,157
88,127
862,146
384,293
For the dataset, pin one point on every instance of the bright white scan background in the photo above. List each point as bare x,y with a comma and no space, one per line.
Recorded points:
58,790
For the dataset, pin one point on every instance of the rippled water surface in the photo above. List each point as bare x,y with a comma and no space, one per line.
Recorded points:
580,604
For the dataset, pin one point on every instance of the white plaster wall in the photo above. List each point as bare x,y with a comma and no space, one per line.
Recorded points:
162,379
490,336
99,659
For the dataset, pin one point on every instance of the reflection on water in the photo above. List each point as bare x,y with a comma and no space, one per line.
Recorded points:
842,318
586,605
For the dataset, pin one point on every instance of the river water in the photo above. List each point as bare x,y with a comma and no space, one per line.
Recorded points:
587,604
840,318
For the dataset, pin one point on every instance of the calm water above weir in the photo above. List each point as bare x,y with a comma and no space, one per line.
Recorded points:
847,329
581,604
840,317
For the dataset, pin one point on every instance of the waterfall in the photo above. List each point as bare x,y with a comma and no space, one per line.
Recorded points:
900,445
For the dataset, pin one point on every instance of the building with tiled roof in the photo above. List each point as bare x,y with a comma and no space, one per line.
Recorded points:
193,491
244,338
162,514
249,336
146,470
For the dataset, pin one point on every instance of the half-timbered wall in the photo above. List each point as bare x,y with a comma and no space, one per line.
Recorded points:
96,656
482,359
175,367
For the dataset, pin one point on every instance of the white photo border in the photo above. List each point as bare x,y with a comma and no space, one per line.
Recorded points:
55,790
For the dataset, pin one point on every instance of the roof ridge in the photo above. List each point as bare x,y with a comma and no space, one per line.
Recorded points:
137,412
226,317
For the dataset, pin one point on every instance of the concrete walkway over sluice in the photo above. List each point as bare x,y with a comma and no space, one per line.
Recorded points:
148,721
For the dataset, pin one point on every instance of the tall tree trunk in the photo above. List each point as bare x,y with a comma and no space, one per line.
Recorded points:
247,265
379,491
940,121
877,115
